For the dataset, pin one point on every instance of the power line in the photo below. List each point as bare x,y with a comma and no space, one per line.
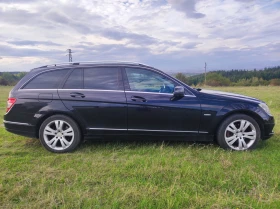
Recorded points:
70,54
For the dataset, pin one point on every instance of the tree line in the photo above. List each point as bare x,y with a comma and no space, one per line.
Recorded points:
10,78
265,77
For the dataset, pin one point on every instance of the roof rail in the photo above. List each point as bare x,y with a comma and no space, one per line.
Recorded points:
111,61
93,62
58,64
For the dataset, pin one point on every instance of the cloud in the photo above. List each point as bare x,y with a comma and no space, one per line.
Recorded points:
17,1
33,43
171,35
49,17
242,1
77,20
187,7
17,16
190,45
120,34
58,18
27,52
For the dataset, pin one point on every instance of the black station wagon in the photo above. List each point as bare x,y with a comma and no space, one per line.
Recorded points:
63,104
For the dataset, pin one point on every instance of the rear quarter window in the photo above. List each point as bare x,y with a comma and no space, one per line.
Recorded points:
47,80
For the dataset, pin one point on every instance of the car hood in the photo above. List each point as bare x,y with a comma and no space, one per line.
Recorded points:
231,95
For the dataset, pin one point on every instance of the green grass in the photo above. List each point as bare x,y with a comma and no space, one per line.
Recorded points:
141,174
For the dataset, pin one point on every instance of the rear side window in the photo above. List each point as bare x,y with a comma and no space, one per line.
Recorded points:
75,80
102,78
48,80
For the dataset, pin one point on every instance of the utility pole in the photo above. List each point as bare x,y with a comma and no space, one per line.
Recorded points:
205,73
70,54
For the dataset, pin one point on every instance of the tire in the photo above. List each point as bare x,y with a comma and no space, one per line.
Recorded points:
239,132
60,134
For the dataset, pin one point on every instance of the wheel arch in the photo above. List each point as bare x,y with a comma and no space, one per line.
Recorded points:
252,114
43,118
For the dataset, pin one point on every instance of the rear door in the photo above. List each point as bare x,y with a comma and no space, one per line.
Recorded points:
96,95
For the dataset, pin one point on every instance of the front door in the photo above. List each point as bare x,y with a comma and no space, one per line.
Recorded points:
152,108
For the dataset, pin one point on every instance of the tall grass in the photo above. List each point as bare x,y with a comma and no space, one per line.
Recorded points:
141,174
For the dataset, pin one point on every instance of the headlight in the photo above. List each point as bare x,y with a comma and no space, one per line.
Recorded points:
265,108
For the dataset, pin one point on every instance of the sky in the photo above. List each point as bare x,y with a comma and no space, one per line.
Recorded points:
171,35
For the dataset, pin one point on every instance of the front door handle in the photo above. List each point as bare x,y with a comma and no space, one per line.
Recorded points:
138,99
77,94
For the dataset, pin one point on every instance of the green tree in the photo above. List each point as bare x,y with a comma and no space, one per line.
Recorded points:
3,82
181,77
275,82
215,79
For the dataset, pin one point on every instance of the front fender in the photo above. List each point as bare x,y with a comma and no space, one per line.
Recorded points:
250,109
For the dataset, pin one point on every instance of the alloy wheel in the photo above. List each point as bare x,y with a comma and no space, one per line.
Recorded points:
58,134
240,134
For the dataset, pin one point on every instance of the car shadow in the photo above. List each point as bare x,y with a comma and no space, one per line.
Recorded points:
118,142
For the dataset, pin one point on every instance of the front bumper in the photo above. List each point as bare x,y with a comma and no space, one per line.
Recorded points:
268,128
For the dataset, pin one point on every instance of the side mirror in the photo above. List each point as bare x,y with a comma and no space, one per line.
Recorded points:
179,91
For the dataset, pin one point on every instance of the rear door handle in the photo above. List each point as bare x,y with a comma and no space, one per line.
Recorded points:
77,94
138,99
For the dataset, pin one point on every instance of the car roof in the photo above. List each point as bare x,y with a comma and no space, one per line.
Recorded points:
88,64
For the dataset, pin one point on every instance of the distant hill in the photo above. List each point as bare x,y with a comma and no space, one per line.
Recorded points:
235,77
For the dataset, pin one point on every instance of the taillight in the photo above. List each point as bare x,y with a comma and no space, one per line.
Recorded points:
10,103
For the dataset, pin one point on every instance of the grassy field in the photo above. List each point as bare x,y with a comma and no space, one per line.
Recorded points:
141,174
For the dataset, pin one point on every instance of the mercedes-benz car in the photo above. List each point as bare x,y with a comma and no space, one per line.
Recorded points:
63,104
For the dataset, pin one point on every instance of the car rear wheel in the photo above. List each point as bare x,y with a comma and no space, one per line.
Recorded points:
59,134
239,132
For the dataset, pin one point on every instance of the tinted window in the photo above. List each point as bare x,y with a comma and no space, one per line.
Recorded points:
102,78
148,81
48,80
75,80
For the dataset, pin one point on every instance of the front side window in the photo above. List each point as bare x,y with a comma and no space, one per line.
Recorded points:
105,78
148,81
47,80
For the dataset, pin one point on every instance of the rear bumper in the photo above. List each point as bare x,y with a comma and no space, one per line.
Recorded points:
268,128
23,129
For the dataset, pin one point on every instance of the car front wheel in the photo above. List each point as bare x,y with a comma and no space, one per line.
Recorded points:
238,132
59,134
